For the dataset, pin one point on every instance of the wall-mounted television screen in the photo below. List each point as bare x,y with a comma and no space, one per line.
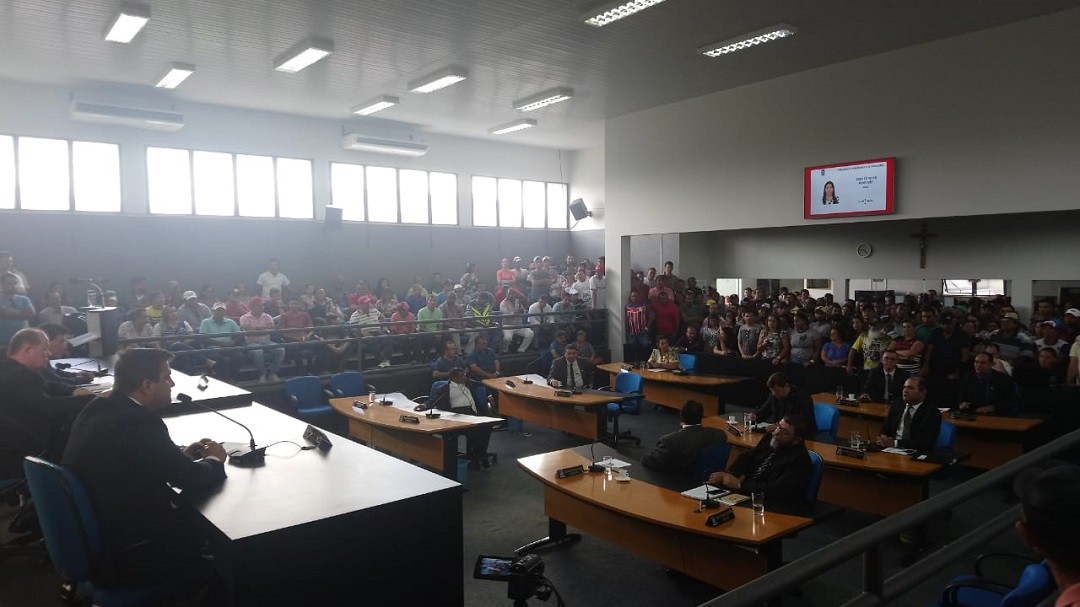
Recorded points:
850,189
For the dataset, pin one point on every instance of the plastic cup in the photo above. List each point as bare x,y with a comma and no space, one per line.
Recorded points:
757,500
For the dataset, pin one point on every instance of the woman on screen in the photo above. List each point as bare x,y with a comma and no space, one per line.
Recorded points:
828,196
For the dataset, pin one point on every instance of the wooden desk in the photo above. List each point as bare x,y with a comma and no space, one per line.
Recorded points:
332,528
432,442
674,389
582,415
990,440
881,484
660,524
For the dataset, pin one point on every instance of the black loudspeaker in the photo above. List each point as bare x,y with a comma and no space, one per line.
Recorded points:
578,210
333,218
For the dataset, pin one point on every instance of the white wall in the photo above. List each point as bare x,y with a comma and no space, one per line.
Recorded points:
587,183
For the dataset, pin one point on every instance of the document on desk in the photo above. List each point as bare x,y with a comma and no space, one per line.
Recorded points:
698,493
534,378
476,419
896,451
614,463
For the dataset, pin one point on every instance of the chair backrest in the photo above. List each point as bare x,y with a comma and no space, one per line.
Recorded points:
67,519
827,418
946,437
348,383
711,459
1035,584
812,487
306,392
544,362
630,383
435,387
688,362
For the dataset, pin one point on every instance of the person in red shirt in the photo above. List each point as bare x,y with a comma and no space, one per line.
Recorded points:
409,346
296,331
666,316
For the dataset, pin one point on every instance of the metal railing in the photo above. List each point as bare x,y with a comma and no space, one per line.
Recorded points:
877,589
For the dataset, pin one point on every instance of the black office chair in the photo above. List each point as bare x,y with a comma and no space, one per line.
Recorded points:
17,442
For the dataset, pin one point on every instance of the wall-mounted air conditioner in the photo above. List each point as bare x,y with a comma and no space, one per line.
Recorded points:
378,145
97,113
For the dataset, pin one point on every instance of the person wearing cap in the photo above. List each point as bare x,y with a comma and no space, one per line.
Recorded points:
366,314
192,311
1049,501
227,333
272,277
947,352
1071,325
985,391
1051,338
267,360
1015,343
353,299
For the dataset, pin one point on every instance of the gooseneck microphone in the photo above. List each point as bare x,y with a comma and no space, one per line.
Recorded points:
708,502
244,458
431,414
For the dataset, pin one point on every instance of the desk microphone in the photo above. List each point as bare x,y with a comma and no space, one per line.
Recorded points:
431,414
708,502
245,458
593,466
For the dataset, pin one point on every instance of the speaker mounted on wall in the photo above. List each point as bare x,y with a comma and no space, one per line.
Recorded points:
578,210
332,220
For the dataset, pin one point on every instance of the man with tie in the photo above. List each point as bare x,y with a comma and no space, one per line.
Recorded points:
884,384
987,391
570,373
786,399
912,423
778,467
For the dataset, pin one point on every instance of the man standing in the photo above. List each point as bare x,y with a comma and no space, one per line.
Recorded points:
786,400
679,450
272,278
258,320
569,372
121,450
7,266
946,353
987,391
748,335
913,423
638,323
778,467
666,316
15,310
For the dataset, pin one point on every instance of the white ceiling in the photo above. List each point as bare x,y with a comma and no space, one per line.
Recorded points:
512,48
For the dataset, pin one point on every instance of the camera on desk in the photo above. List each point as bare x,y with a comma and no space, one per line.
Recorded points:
524,575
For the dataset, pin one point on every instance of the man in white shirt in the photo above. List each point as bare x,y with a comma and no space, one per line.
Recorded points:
541,320
458,398
271,278
598,285
911,424
513,313
54,312
366,314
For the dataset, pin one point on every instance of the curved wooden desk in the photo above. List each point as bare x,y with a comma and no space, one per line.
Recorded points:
582,415
673,389
660,524
990,440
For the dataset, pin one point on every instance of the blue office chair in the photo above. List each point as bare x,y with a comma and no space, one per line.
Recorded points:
687,362
711,459
827,418
348,383
816,466
308,400
1034,586
946,438
74,541
627,383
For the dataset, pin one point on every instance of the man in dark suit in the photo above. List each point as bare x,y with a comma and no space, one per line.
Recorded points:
786,399
120,449
679,450
987,391
778,466
884,383
569,372
913,423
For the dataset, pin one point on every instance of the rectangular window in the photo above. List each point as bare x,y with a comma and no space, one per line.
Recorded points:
485,201
7,172
509,203
414,196
962,287
557,205
44,180
382,194
444,198
96,169
295,195
215,191
255,186
533,204
168,175
347,190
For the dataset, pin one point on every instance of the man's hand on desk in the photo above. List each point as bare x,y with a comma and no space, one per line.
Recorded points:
725,480
205,448
886,441
554,383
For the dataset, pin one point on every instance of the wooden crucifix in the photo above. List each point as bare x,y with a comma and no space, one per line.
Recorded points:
923,237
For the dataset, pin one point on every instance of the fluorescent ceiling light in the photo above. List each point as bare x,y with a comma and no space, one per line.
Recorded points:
738,43
175,75
127,23
377,104
510,127
303,54
439,80
616,10
544,99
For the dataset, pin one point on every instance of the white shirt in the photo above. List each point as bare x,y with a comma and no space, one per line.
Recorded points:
573,369
461,396
269,281
599,284
535,310
900,426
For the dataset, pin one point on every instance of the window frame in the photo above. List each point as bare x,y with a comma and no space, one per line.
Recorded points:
521,181
366,199
70,145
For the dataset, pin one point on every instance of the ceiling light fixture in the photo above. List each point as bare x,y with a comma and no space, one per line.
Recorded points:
544,99
175,75
377,104
510,127
127,23
761,36
439,80
303,54
615,11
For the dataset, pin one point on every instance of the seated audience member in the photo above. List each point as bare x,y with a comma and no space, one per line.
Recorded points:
323,306
912,423
453,312
366,314
563,313
663,356
267,360
58,348
386,303
430,323
997,364
137,327
557,345
237,305
678,451
540,320
570,372
337,352
512,312
155,311
834,353
301,343
586,352
138,297
407,342
307,298
1049,372
786,400
482,363
581,285
275,304
886,383
748,336
1051,338
121,451
457,397
54,311
778,467
450,359
803,342
691,341
1049,500
416,298
16,310
1014,342
226,333
986,391
174,330
34,414
481,320
272,278
1071,321
353,298
193,312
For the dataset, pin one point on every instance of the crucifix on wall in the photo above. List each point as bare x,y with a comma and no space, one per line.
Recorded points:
924,237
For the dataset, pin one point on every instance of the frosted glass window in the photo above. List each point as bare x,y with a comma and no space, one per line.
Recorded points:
533,204
7,172
347,190
382,194
414,196
961,287
557,203
215,193
484,195
96,168
444,198
255,186
44,182
509,203
296,199
168,176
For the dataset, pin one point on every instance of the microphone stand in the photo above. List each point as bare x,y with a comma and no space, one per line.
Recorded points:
431,414
101,293
250,457
708,502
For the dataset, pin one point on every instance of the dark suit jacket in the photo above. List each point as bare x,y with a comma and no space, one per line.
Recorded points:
122,452
925,425
558,371
798,404
875,385
679,450
1001,394
784,483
